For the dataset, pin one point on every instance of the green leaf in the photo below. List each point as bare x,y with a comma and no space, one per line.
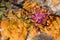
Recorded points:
1,4
13,12
8,4
1,15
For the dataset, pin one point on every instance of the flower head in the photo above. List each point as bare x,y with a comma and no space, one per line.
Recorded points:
39,17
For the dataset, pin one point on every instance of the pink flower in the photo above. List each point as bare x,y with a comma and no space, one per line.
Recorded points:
39,17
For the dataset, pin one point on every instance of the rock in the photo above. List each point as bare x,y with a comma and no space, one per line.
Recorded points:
43,36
